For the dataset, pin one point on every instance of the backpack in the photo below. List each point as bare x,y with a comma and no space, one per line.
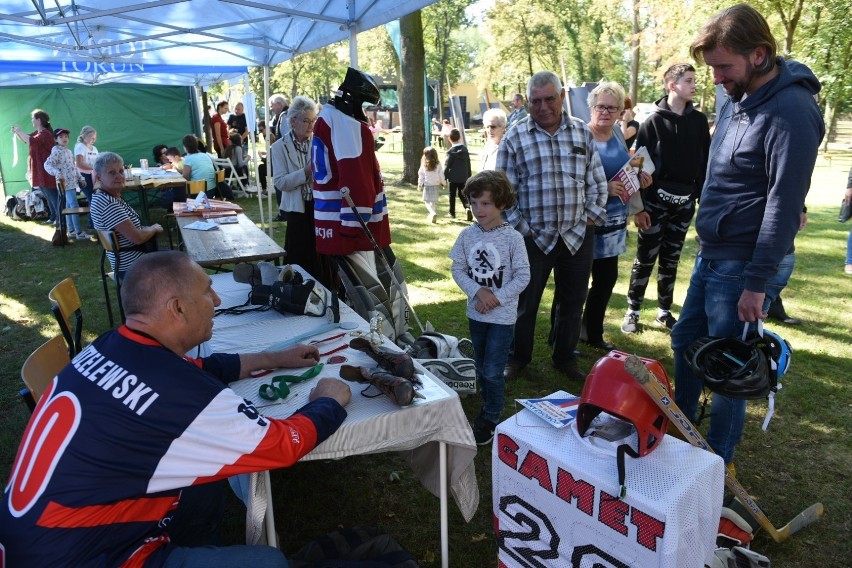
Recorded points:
28,205
356,547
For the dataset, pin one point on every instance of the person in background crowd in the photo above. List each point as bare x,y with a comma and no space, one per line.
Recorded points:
138,478
175,160
41,143
628,123
197,165
677,138
561,197
234,152
494,123
60,164
85,154
294,179
456,172
430,181
605,104
111,213
159,152
762,157
237,121
847,197
519,111
261,165
220,129
278,105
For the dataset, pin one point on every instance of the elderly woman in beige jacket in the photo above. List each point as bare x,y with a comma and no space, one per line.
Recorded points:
291,167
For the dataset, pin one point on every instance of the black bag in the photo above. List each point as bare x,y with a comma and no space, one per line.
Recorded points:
361,547
223,191
845,211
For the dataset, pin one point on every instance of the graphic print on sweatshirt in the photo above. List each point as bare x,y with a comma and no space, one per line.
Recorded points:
486,266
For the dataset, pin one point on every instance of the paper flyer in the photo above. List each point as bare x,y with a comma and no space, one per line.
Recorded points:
629,173
558,412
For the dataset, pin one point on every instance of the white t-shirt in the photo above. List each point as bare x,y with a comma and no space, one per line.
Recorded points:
89,155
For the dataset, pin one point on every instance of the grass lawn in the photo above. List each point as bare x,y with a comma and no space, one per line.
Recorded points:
805,457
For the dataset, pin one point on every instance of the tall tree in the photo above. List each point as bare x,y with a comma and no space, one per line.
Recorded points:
444,59
411,87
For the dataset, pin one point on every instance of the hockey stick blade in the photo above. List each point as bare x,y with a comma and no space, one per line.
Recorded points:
660,395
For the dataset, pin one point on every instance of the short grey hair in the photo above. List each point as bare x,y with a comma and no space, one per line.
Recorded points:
105,160
300,105
497,113
85,132
153,279
278,98
607,87
541,79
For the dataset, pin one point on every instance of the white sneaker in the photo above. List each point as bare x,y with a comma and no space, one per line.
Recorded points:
82,236
71,236
630,323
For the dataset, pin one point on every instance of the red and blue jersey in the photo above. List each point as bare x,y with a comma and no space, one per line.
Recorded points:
343,155
115,438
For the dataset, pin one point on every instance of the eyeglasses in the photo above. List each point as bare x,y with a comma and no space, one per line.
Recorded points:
602,108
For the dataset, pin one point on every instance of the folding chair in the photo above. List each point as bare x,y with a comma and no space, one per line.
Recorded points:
109,242
41,366
233,177
66,304
195,187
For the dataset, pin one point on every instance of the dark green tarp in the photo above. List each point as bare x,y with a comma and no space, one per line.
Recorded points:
129,119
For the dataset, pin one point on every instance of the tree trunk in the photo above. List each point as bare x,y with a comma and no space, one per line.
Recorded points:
411,101
634,60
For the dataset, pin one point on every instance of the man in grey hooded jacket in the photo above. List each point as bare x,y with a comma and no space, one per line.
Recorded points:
761,160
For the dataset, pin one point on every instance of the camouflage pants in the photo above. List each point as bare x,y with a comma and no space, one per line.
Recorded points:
663,240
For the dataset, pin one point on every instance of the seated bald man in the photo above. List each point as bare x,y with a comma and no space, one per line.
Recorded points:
123,459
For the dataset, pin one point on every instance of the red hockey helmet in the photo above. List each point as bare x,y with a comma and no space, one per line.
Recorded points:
610,388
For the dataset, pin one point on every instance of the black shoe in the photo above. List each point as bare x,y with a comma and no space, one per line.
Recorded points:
570,370
777,312
280,218
512,371
666,321
601,344
483,431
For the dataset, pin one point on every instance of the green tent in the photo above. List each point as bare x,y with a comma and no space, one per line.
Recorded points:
130,120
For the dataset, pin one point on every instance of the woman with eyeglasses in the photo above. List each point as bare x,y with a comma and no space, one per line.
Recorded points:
292,176
606,102
494,123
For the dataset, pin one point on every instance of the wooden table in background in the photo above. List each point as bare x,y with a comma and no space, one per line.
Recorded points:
229,244
153,179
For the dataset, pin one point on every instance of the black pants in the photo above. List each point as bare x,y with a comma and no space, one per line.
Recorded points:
456,188
604,276
663,240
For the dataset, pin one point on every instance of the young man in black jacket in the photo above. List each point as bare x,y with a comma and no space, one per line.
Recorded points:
456,172
677,137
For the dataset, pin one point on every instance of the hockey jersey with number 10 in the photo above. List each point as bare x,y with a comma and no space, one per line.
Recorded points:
117,435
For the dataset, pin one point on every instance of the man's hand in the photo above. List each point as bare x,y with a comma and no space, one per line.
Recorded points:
614,188
750,306
297,356
645,179
331,388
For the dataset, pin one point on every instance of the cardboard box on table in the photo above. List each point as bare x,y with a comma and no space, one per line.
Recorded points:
555,500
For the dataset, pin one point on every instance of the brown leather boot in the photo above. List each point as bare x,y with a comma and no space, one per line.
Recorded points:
398,389
395,362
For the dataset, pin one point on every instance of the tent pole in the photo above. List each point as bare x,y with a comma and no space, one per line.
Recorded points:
353,43
270,188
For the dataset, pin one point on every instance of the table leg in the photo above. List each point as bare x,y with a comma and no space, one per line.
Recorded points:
445,533
143,197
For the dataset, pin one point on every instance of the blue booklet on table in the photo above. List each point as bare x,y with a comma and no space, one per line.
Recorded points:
558,412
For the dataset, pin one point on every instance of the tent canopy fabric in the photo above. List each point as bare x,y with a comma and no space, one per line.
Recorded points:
168,42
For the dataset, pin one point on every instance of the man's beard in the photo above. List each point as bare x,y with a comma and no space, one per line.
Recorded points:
739,88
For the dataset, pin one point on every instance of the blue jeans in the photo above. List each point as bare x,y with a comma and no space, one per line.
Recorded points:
849,248
710,309
72,221
226,557
194,531
88,191
52,195
491,343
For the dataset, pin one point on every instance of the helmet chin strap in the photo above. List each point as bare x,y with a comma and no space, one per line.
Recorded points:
773,366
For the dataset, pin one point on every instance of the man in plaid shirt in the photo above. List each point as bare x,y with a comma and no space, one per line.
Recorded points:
551,160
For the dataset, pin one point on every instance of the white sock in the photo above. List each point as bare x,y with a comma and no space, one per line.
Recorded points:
635,312
662,313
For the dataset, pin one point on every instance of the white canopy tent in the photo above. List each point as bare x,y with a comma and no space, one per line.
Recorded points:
174,42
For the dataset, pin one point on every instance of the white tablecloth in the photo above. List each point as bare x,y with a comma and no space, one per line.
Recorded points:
373,424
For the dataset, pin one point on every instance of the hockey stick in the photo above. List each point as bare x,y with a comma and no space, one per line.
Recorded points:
660,394
344,191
